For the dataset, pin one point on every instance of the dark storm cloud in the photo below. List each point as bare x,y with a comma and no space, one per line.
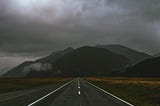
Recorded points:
36,28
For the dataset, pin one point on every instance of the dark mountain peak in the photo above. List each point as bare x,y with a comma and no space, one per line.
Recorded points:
98,45
55,55
117,46
69,49
85,48
89,48
133,55
27,62
88,60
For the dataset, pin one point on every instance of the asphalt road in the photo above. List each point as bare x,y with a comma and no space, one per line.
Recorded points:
74,93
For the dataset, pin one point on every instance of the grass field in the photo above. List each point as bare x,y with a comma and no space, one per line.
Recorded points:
138,91
11,84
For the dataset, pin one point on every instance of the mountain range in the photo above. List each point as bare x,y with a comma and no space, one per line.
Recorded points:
83,61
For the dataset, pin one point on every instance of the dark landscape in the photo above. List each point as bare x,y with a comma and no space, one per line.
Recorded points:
86,61
79,53
131,80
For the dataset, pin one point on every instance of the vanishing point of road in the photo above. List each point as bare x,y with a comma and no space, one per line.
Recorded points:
77,92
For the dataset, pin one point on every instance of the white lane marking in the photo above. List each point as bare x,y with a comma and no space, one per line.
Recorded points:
78,84
49,93
111,95
79,92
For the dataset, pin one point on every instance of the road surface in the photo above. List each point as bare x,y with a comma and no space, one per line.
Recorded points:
77,92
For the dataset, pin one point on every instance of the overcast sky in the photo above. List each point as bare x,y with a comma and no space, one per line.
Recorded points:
33,28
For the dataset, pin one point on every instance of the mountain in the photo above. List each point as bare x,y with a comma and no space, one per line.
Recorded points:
84,61
147,68
17,71
5,69
41,64
133,55
157,55
55,56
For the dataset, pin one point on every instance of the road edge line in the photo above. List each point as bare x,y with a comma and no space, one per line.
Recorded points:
31,104
111,94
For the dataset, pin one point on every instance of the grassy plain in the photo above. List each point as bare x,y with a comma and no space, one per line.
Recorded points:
138,91
11,84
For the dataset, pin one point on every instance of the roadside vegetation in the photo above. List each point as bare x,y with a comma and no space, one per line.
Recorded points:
14,84
138,91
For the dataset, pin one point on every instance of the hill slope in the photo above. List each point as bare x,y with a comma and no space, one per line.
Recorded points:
17,71
83,61
133,55
146,68
41,64
55,56
90,61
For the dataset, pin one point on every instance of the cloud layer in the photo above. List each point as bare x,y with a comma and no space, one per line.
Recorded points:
29,26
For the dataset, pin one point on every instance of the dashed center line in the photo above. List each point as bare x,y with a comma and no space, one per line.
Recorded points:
79,92
78,84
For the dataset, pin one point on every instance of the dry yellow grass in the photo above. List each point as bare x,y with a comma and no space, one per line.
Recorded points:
152,82
9,84
138,91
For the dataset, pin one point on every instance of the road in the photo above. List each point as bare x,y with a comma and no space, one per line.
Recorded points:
77,92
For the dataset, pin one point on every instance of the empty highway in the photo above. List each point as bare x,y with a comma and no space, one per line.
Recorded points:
77,92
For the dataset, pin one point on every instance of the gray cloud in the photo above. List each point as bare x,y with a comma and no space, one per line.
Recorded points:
32,28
